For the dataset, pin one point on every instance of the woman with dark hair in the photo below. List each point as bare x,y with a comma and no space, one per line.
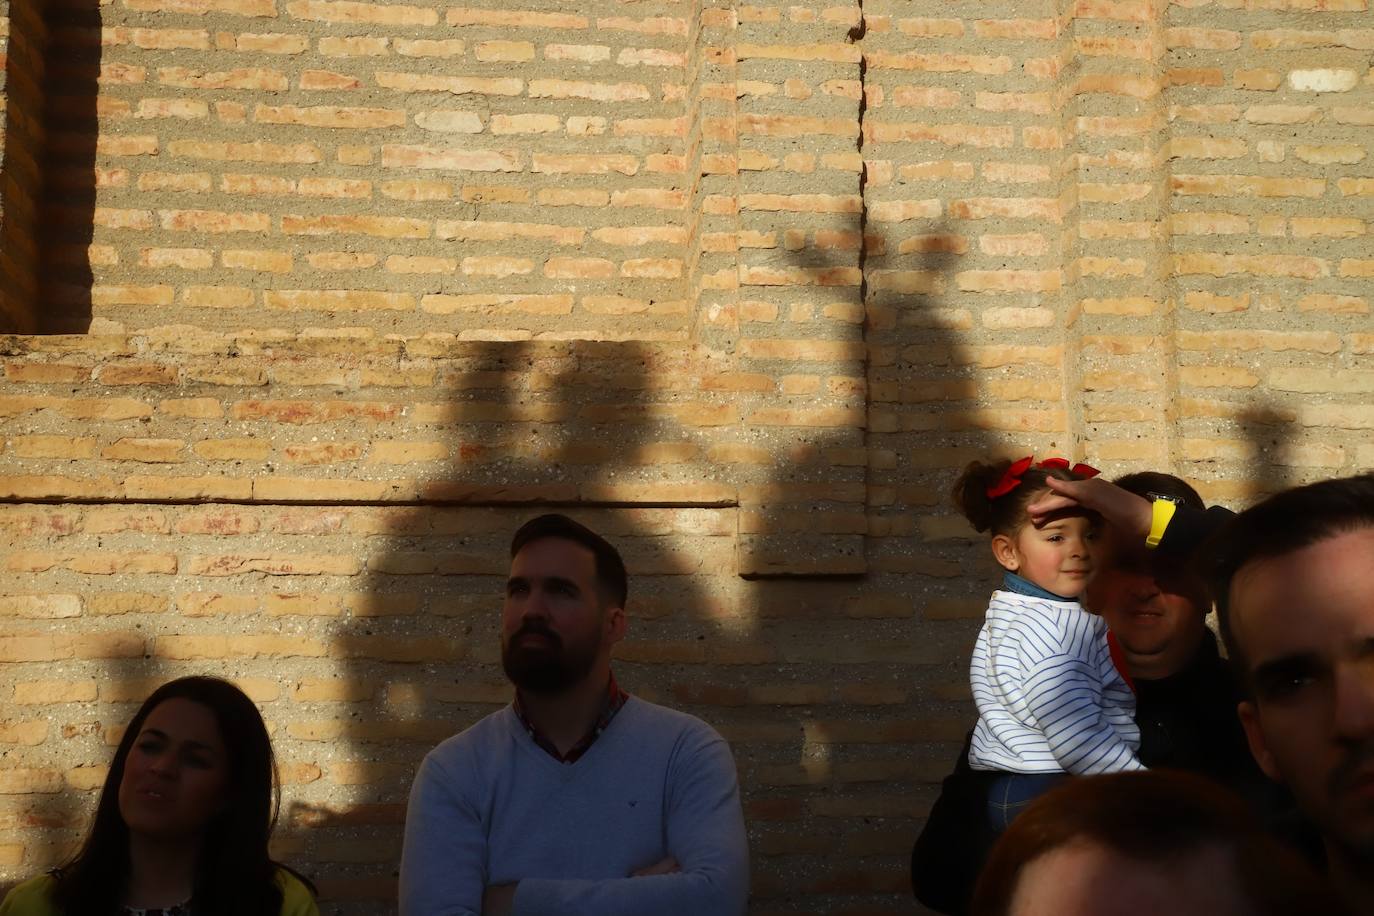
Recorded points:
183,822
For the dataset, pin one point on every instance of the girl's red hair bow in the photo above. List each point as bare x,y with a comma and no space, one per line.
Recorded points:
1080,470
1011,477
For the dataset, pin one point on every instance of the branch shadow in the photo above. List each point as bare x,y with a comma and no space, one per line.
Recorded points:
527,427
119,664
875,741
826,762
1271,437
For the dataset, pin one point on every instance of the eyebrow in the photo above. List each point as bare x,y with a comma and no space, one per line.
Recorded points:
199,745
548,580
1303,662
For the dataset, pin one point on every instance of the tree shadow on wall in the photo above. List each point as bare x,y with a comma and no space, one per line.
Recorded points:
1270,436
61,820
838,738
881,663
587,428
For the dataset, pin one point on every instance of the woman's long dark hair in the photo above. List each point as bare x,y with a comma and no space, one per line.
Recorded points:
234,876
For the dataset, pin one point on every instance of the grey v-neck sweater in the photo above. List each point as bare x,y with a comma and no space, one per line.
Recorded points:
489,807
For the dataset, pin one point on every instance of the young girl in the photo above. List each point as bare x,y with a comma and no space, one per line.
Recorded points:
183,821
1050,699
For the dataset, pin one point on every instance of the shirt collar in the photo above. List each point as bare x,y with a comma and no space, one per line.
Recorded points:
612,703
1022,586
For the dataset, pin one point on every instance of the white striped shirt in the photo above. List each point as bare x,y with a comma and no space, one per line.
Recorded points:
1049,698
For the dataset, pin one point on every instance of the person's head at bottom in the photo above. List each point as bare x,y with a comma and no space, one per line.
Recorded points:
185,813
1140,844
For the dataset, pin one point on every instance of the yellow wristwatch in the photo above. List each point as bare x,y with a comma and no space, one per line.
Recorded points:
1163,509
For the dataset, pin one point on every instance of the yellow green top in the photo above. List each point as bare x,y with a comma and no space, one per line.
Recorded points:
33,898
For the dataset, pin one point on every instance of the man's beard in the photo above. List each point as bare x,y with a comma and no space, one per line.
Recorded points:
546,669
1358,844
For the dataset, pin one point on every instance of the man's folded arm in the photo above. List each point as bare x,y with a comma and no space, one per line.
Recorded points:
704,833
443,861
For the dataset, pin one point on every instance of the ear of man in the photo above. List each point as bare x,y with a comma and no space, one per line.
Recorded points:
614,624
1254,736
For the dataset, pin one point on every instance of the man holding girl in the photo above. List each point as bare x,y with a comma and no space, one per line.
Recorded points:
1154,610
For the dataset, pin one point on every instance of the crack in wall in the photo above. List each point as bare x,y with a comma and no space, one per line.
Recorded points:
856,36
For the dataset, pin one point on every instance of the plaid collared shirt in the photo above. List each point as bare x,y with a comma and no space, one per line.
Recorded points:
615,699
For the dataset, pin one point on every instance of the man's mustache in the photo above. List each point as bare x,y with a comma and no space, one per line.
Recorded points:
537,628
1355,766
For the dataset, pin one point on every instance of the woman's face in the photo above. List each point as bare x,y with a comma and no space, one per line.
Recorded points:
176,776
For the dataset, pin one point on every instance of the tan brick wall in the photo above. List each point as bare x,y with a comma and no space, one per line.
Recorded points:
741,285
402,168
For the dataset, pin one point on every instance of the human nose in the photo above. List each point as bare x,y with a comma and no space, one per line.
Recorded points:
163,764
1144,588
1354,702
535,605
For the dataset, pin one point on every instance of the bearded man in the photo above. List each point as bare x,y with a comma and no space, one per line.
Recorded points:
577,798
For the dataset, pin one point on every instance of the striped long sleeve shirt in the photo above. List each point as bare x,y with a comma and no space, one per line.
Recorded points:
1049,698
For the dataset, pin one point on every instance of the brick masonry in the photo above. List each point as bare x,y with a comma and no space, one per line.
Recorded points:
350,289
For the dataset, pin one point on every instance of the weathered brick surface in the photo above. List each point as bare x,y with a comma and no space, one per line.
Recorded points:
363,285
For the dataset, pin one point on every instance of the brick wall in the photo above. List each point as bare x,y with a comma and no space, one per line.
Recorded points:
362,286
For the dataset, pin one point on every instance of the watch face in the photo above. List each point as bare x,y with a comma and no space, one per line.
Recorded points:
1168,499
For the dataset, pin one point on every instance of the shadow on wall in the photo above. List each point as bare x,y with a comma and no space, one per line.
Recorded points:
526,427
1270,434
889,687
87,749
830,728
67,211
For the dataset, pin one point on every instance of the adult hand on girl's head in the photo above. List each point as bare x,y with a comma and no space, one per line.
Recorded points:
1120,508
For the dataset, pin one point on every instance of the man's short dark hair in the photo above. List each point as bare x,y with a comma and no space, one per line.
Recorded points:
1282,524
1159,817
611,579
1143,483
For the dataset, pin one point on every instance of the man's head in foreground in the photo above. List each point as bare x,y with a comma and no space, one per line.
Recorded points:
1293,578
564,606
1142,844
